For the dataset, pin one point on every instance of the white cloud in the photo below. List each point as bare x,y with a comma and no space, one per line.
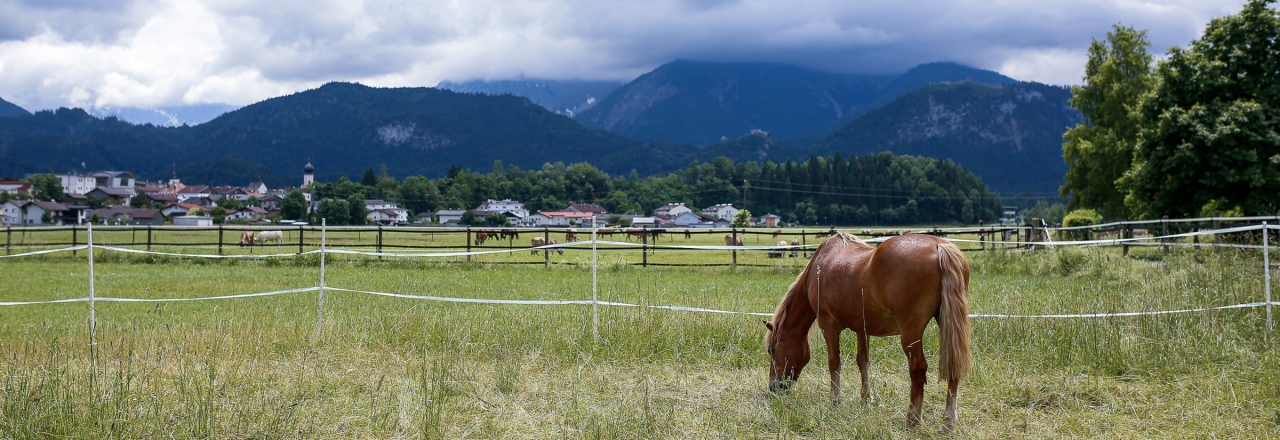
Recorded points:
154,53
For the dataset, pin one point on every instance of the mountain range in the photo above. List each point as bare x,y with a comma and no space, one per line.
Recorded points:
1008,132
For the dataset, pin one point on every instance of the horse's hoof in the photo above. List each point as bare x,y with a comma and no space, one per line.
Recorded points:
947,426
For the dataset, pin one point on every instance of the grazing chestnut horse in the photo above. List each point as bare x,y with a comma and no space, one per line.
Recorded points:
889,290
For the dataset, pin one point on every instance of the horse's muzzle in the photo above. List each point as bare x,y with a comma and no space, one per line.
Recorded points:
779,386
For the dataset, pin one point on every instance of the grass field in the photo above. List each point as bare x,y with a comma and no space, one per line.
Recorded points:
398,368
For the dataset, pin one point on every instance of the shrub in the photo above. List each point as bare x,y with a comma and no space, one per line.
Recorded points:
1080,217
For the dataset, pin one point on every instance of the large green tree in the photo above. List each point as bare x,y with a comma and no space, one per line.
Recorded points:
1099,151
294,206
1209,127
46,187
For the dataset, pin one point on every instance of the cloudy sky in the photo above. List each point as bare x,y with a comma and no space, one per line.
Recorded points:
164,53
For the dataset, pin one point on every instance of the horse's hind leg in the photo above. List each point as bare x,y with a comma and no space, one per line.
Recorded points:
950,415
833,361
913,346
864,360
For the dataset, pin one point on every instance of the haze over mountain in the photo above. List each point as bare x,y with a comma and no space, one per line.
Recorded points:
703,103
562,97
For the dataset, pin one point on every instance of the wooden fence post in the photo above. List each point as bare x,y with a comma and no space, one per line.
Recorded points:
644,249
8,240
300,233
75,240
1217,238
804,241
468,243
1164,222
1126,231
733,230
379,240
546,253
219,239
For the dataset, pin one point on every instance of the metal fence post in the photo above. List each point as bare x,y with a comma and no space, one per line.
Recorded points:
1266,271
93,314
320,301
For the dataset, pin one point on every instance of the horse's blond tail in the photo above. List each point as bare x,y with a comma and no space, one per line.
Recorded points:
955,355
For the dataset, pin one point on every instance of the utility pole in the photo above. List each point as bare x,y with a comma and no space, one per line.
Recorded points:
744,193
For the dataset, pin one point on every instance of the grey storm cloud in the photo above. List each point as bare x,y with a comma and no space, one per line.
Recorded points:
153,53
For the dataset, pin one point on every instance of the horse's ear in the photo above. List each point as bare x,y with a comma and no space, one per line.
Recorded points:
767,324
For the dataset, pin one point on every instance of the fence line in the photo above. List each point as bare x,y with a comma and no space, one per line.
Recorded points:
92,298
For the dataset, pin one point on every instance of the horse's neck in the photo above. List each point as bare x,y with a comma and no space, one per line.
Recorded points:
799,313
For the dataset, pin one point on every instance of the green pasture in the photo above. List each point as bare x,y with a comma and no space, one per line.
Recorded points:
383,367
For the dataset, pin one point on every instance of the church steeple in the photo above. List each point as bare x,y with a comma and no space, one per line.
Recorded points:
308,175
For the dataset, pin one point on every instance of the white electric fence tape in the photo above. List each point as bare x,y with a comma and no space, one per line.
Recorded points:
202,298
50,251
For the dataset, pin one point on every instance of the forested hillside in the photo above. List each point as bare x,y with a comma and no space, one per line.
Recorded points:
9,109
1010,135
702,103
341,128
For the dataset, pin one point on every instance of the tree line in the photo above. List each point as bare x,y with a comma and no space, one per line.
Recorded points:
871,189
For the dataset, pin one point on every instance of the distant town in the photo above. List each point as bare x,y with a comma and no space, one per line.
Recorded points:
120,198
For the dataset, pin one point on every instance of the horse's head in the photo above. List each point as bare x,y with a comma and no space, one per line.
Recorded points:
788,354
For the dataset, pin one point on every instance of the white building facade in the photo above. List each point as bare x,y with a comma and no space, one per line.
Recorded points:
77,184
725,211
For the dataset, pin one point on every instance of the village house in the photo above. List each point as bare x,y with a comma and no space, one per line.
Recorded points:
256,188
76,184
559,218
193,220
425,217
193,192
591,208
31,213
141,187
14,186
109,193
147,217
449,216
684,219
671,210
387,216
120,180
648,222
504,206
725,211
112,214
248,213
771,220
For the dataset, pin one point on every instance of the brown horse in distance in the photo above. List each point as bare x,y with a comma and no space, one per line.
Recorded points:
893,289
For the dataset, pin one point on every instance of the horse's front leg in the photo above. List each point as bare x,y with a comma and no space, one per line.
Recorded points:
864,361
832,336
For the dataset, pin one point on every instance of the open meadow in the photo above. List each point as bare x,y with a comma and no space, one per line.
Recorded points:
382,367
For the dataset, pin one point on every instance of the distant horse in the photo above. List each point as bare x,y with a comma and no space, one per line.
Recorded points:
892,289
571,235
605,232
264,236
246,238
794,242
539,241
483,235
508,233
635,232
687,235
777,253
733,240
776,233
